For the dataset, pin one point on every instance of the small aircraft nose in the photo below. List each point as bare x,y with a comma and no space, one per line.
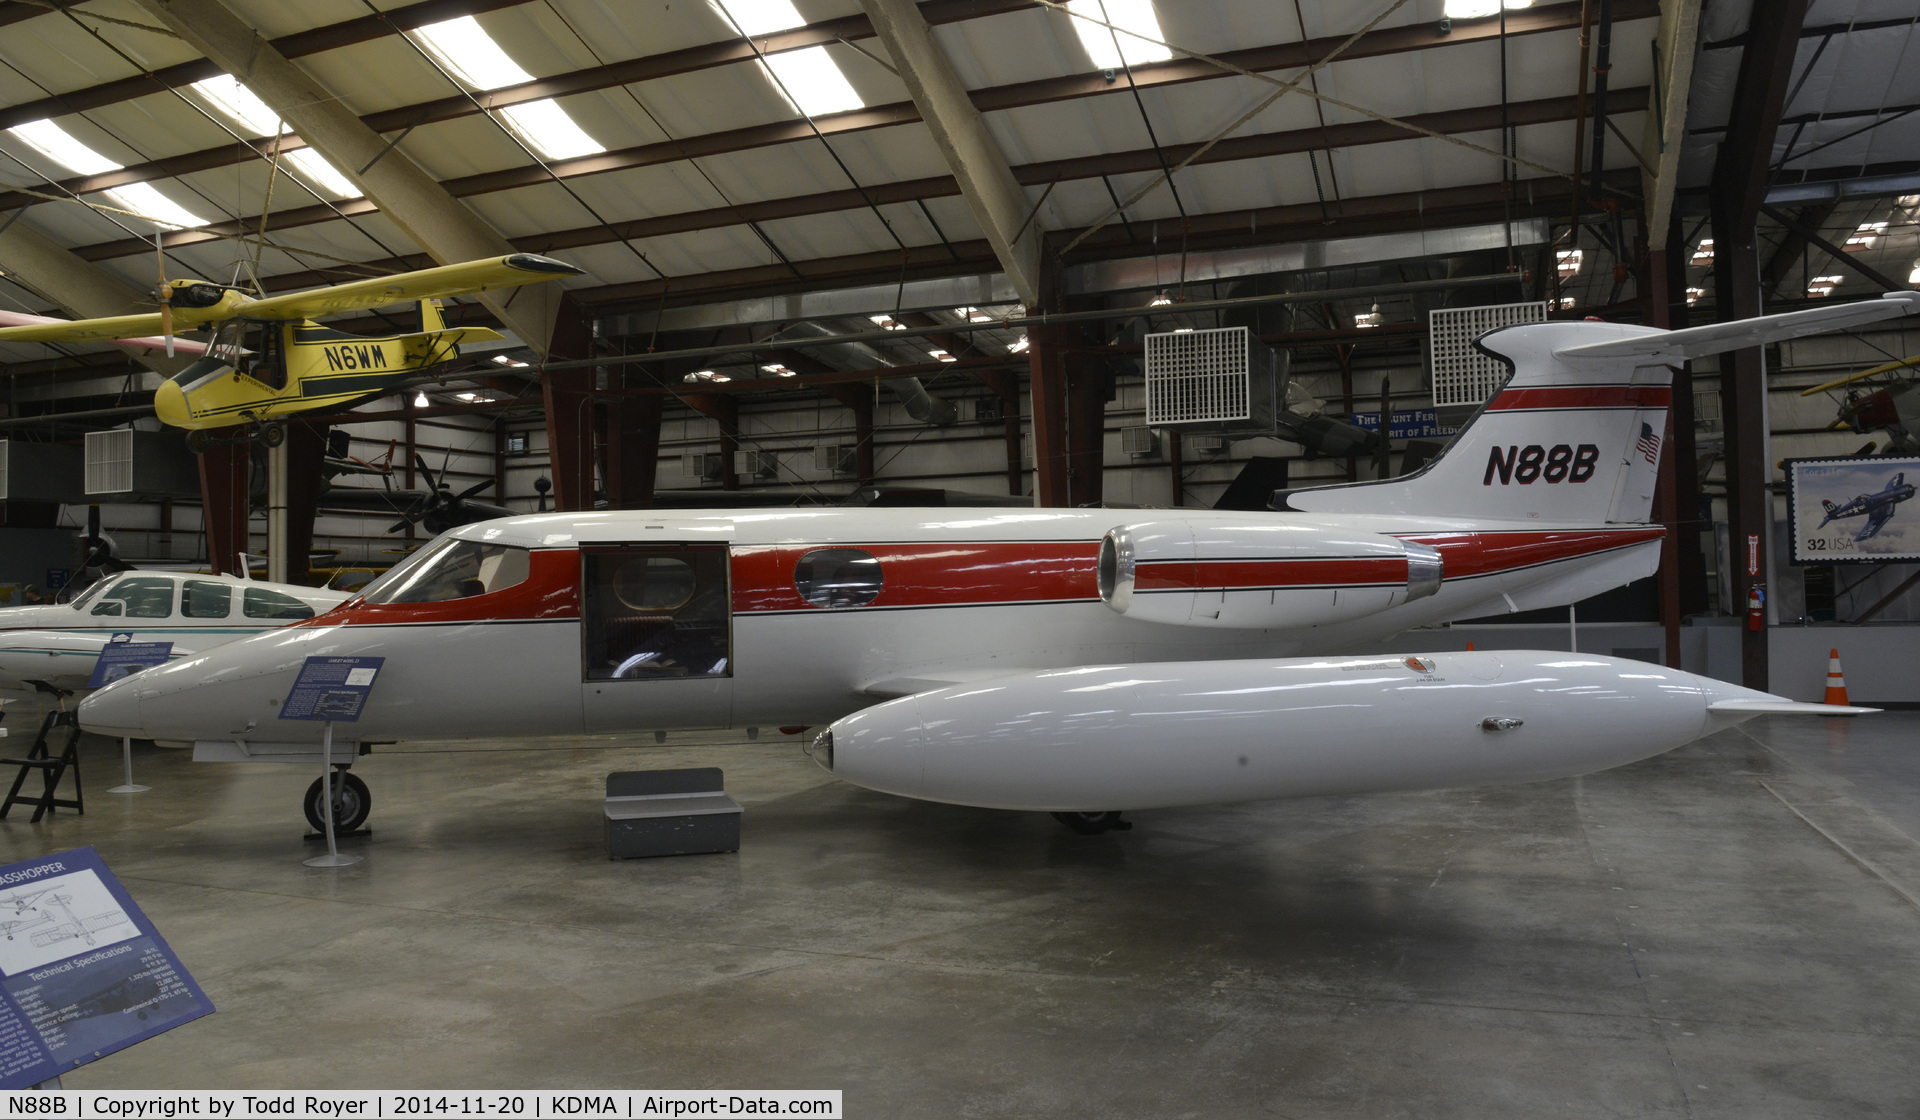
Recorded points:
113,711
170,404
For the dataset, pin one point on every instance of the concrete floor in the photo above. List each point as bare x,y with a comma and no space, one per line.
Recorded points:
1730,930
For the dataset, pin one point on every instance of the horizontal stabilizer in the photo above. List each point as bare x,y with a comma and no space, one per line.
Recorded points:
1672,347
1783,708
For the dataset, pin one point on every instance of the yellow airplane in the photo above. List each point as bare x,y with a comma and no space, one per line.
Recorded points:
269,359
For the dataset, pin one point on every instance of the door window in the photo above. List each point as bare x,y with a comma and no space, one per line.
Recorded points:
259,602
837,577
652,613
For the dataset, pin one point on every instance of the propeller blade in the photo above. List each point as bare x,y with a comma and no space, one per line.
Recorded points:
400,526
483,484
420,464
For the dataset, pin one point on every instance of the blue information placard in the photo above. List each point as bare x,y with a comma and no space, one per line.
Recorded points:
83,973
332,688
120,658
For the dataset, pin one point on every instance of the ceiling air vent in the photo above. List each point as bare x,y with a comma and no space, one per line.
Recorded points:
1221,379
1463,376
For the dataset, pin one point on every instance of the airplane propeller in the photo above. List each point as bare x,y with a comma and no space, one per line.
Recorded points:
164,293
443,509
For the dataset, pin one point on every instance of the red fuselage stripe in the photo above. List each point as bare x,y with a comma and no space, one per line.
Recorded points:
1580,396
988,573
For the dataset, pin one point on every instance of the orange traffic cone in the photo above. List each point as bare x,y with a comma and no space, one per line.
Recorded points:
1836,684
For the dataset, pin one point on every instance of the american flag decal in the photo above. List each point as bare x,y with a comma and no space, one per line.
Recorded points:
1649,443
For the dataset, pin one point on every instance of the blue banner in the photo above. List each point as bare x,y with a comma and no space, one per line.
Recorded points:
1418,423
83,973
332,688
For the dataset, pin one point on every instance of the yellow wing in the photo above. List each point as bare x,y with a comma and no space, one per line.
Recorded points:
1821,388
447,280
86,330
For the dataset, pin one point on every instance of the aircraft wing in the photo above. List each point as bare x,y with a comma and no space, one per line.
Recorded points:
1876,521
406,287
88,330
894,687
1668,347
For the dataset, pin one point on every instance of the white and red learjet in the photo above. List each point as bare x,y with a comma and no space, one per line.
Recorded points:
1079,661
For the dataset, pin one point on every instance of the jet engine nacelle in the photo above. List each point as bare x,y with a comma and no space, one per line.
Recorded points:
1246,575
1143,736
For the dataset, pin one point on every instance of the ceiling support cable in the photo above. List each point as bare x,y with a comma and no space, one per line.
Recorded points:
1320,111
525,149
1285,87
259,240
760,57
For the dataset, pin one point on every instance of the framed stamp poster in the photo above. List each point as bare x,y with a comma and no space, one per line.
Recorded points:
1853,510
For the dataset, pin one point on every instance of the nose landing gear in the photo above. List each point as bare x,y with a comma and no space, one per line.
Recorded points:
1087,824
351,803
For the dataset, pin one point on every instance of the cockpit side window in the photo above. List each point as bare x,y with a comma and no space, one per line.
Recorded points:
457,570
204,598
145,596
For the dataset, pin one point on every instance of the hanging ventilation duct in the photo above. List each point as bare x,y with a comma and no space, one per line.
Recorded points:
1218,380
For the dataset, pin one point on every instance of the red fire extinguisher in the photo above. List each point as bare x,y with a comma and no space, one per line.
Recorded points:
1756,609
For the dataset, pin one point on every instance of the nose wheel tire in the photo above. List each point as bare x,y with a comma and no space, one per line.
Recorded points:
351,803
1091,824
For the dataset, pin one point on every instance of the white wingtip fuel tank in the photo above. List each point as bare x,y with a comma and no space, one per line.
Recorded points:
1112,737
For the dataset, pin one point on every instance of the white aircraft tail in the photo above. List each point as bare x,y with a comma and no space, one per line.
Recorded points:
1574,434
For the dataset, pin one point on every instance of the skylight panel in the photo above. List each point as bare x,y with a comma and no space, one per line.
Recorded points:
470,54
238,103
809,76
1480,9
758,17
546,126
1134,18
813,82
53,142
145,200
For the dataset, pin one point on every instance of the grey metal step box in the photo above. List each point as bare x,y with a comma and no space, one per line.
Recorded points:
670,813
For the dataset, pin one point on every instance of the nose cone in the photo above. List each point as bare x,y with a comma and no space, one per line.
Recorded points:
113,711
170,404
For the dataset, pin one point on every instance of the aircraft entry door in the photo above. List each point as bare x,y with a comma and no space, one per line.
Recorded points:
656,633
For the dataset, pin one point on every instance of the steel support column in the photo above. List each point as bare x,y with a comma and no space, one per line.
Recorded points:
1739,189
566,396
633,451
1047,387
1666,499
223,499
306,449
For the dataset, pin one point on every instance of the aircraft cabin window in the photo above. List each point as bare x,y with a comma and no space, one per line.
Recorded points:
837,577
656,613
456,570
259,602
203,598
144,596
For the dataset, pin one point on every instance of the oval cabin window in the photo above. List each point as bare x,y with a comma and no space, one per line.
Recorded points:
838,577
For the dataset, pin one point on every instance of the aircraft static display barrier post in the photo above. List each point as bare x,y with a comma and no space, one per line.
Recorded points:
331,689
83,973
120,657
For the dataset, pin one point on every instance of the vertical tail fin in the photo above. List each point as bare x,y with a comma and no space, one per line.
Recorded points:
1559,442
430,317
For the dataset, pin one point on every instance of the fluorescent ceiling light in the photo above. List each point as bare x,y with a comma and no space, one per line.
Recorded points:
887,323
1569,261
1864,237
1704,254
225,93
1135,16
1018,346
1694,294
1823,285
470,54
941,355
53,142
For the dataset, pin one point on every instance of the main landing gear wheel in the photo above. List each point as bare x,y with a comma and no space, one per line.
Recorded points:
1086,824
273,433
351,803
199,441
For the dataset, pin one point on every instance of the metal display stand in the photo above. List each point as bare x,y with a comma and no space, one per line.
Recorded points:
333,858
126,761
